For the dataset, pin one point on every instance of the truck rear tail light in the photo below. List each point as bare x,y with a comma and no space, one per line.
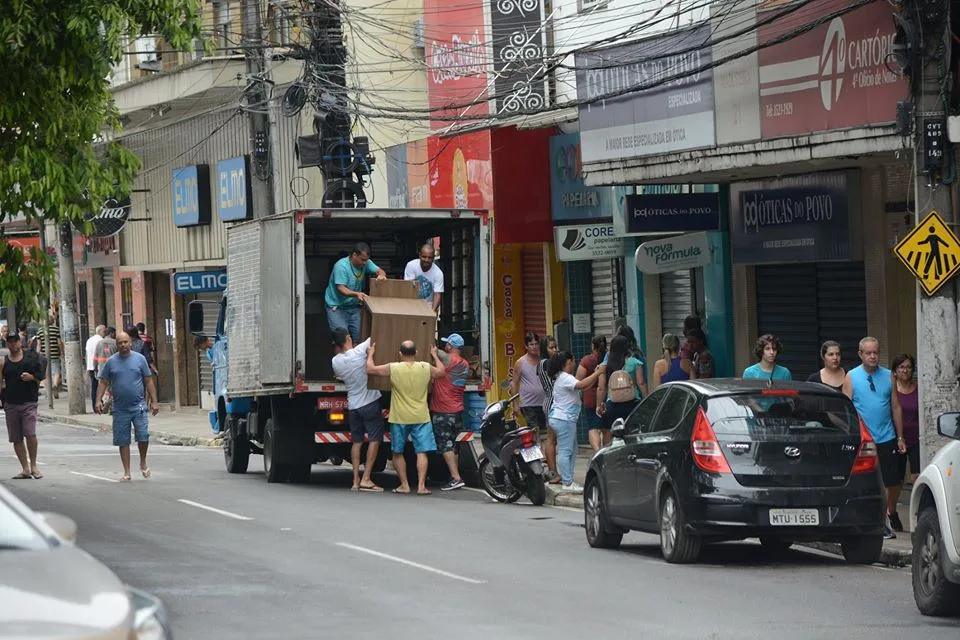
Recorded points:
706,448
335,416
866,460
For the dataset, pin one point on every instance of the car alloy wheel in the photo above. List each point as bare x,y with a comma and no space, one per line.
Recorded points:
929,573
668,525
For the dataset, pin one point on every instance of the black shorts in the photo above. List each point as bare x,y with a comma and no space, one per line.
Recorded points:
367,421
893,464
616,410
913,455
534,416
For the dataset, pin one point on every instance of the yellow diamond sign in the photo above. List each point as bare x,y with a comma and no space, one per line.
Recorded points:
931,252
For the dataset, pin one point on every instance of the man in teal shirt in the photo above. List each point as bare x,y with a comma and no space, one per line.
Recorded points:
345,289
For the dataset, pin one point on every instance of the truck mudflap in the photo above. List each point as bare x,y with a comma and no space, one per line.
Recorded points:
344,437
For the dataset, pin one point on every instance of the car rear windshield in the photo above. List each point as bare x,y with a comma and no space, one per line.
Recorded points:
772,415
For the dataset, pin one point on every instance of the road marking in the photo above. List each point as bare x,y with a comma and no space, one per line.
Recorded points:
90,475
235,516
410,563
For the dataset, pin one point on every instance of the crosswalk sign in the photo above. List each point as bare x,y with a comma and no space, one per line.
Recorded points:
931,252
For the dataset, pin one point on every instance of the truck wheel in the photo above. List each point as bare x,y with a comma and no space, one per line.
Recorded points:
236,447
934,594
381,464
274,471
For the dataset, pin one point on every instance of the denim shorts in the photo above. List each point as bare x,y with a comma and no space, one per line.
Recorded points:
367,421
422,435
345,318
123,418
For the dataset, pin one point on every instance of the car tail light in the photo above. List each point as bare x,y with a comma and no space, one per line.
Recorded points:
866,461
526,439
706,448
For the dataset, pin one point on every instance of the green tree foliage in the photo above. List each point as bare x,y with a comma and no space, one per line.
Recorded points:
56,112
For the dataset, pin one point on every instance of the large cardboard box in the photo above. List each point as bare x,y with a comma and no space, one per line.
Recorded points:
393,314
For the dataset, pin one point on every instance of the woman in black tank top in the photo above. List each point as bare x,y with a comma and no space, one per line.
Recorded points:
832,374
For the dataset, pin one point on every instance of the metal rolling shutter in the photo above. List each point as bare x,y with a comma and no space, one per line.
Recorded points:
210,313
606,281
807,304
676,301
534,295
842,307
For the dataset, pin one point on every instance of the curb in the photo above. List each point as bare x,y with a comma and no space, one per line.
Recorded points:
888,557
162,437
557,498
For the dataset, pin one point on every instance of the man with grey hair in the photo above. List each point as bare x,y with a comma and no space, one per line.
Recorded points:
91,353
870,387
427,275
409,412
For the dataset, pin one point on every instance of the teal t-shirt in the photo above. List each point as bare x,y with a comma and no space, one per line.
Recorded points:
346,274
755,372
630,366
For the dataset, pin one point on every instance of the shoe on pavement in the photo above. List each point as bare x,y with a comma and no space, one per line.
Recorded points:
888,533
895,523
453,484
573,487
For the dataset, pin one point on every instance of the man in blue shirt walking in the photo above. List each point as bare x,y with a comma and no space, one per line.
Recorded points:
344,293
128,376
870,386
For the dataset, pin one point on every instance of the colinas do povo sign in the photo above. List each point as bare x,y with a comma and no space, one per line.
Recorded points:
797,219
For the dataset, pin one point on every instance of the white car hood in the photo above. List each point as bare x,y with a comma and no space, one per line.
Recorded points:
61,593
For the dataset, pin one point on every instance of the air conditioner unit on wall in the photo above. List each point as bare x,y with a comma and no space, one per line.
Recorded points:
419,37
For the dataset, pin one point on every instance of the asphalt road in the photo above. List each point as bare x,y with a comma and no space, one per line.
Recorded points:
234,557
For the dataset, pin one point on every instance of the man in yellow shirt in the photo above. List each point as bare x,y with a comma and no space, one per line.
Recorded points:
409,412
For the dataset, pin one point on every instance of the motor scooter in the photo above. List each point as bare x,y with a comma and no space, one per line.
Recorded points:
512,463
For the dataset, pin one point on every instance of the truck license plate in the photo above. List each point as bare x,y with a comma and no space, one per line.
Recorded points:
531,453
795,517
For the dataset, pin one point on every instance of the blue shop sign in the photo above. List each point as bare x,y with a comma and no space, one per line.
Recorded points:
233,189
672,212
191,196
200,281
796,219
570,199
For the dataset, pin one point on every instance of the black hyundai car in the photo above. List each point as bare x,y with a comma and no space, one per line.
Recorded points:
716,460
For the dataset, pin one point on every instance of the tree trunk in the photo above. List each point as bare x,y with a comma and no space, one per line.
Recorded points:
73,361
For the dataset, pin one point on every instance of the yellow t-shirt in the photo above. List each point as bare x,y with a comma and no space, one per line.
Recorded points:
409,382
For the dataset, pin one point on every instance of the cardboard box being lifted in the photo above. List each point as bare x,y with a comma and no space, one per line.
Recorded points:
395,313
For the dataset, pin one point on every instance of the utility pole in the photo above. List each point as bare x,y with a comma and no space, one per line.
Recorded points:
925,35
73,362
46,315
258,108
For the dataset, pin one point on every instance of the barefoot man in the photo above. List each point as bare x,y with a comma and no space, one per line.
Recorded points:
409,413
127,374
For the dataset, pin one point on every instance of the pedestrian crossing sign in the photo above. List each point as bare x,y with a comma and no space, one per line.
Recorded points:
931,252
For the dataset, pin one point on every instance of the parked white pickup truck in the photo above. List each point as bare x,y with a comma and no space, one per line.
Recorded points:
935,522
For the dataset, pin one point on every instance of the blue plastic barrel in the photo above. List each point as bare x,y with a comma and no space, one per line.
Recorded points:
474,404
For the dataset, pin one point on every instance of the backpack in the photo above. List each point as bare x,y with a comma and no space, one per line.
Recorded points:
621,387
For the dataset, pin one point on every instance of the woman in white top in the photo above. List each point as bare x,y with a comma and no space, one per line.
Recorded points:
565,410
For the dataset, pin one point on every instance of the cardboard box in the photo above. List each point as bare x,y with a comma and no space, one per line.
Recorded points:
392,315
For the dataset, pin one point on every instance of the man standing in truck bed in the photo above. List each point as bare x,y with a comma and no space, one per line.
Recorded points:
344,293
428,276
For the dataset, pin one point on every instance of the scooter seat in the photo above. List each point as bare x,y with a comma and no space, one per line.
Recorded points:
515,433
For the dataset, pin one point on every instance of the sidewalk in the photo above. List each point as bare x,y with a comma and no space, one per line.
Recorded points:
189,426
896,553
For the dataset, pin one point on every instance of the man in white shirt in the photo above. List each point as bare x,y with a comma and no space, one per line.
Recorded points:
427,274
91,352
366,416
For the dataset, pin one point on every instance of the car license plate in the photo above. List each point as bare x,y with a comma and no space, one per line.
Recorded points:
795,517
531,453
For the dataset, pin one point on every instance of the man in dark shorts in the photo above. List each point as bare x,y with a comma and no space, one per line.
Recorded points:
366,416
446,405
21,374
871,388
